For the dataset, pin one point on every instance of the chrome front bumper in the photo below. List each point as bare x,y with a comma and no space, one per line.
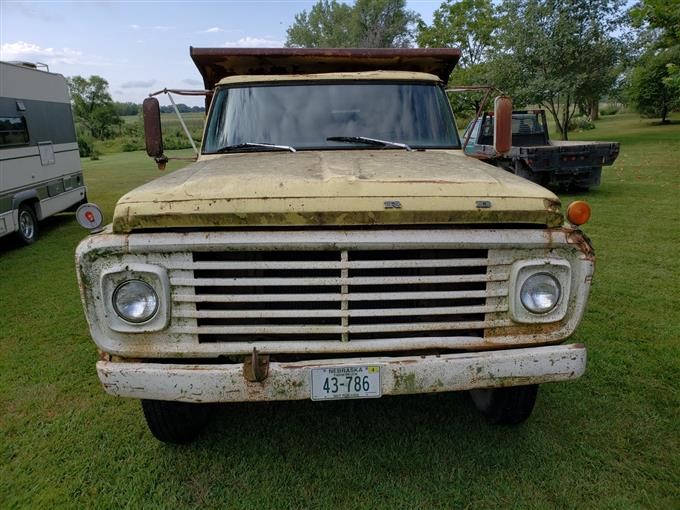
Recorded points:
292,381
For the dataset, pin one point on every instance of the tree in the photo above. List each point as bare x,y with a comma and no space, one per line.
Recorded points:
468,25
655,80
558,53
654,85
366,24
126,109
384,23
465,24
663,15
93,106
327,25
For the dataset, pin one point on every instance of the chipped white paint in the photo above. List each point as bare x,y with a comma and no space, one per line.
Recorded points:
106,252
291,381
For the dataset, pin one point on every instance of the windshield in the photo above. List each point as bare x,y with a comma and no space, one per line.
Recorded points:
305,116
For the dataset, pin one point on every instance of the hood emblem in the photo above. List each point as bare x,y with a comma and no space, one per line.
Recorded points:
392,204
483,204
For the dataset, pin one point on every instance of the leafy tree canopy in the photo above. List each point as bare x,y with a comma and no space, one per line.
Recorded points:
366,24
93,106
558,53
655,83
468,25
464,24
662,15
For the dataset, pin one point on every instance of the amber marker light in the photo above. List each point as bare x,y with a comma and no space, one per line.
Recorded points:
578,212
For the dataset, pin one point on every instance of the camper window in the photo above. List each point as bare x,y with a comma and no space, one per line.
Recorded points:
13,131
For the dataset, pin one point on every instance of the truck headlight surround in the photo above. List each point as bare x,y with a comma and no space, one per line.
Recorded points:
540,293
126,286
135,301
539,290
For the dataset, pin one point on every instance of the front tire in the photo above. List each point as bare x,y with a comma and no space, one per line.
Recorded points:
506,406
28,225
175,422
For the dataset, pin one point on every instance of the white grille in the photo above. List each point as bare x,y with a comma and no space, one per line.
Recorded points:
337,295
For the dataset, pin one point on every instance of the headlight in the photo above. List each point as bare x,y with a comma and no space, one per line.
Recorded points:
135,301
540,293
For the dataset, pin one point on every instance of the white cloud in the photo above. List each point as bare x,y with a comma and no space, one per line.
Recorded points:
192,82
156,27
254,42
137,84
213,30
21,50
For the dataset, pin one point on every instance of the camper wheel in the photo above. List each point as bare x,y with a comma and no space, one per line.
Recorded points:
28,224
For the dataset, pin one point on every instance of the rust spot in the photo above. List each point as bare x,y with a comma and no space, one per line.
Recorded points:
525,329
579,239
405,382
403,362
256,367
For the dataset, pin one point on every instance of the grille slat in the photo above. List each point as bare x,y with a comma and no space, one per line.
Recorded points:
367,280
355,264
363,296
320,328
381,312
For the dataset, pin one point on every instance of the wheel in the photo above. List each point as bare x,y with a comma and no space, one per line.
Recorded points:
506,406
175,422
28,225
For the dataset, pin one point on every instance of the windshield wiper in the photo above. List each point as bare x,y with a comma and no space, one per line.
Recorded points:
238,146
369,141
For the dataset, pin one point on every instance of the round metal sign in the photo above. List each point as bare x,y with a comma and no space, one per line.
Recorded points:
89,216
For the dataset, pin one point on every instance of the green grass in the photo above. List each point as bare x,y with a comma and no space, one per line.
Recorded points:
608,440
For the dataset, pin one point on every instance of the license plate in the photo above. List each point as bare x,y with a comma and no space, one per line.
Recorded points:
346,382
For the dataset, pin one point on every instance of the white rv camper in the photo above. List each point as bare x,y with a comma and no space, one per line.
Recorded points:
40,171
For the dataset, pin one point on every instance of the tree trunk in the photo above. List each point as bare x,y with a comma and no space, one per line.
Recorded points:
594,108
564,128
556,118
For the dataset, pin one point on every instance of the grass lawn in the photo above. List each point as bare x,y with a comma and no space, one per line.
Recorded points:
608,440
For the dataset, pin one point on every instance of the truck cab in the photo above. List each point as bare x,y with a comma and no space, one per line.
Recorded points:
332,241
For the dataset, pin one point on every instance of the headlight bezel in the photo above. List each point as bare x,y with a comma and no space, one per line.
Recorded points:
155,277
559,269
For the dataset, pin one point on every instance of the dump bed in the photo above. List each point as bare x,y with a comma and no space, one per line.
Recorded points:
217,63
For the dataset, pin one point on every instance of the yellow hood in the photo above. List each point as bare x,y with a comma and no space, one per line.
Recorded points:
335,187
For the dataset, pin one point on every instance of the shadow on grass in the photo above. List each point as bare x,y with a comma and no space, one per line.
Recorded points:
46,227
336,451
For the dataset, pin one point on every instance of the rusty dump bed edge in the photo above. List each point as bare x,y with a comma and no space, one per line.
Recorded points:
217,63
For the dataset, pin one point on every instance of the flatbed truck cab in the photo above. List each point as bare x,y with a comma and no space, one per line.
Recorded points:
332,241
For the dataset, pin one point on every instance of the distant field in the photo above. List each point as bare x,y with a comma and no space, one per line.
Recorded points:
609,440
193,118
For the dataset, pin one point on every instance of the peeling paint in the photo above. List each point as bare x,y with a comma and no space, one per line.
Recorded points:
292,381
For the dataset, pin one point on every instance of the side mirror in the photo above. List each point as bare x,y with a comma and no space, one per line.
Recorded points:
153,134
502,129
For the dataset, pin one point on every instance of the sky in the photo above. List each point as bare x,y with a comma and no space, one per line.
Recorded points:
143,46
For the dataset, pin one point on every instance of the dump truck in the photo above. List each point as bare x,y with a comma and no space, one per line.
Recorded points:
332,241
566,164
